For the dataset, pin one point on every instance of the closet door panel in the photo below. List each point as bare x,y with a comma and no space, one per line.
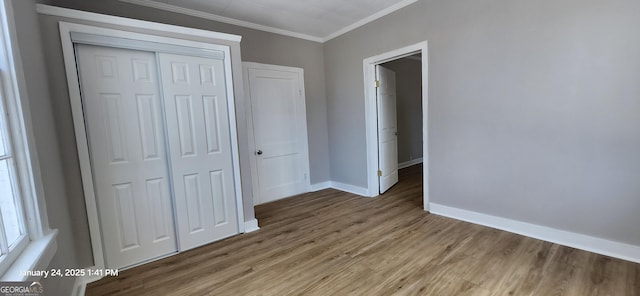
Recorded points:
123,116
195,101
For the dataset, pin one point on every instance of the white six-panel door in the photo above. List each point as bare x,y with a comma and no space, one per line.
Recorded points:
387,128
195,101
123,114
279,125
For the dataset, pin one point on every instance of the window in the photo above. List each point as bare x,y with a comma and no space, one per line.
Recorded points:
12,227
26,242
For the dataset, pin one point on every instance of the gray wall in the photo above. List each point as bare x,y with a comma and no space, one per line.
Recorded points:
409,107
47,146
533,108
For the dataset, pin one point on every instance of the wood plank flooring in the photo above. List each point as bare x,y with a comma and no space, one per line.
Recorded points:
335,243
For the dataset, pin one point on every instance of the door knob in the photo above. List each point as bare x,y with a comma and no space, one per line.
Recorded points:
397,133
259,152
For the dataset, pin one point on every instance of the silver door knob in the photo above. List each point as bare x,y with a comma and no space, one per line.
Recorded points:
259,152
397,133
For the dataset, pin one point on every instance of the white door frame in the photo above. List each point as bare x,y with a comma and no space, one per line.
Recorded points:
251,132
66,30
371,117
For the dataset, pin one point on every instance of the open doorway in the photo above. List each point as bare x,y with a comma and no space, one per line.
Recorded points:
412,146
400,157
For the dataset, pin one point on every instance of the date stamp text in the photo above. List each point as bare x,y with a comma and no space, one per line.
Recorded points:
70,272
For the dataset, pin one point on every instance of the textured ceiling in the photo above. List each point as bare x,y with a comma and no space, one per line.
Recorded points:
314,19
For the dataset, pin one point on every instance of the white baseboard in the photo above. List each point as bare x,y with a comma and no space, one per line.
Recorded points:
350,188
409,163
340,186
571,239
320,186
251,226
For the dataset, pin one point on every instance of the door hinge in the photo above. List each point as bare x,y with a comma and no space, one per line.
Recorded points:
376,83
379,173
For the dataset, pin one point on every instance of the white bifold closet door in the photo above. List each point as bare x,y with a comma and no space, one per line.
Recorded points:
122,106
195,101
160,145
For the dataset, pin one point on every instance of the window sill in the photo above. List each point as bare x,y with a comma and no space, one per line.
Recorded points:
36,256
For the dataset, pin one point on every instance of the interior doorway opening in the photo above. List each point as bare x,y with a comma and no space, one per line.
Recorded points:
410,130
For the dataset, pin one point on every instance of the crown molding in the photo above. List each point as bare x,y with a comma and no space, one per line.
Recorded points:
369,19
116,20
222,19
90,16
228,20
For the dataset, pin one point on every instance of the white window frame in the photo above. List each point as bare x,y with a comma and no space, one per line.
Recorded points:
39,248
9,251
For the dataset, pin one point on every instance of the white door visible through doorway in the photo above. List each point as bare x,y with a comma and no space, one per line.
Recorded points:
278,131
387,128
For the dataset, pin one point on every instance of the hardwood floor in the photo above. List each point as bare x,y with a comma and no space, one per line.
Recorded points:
335,243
